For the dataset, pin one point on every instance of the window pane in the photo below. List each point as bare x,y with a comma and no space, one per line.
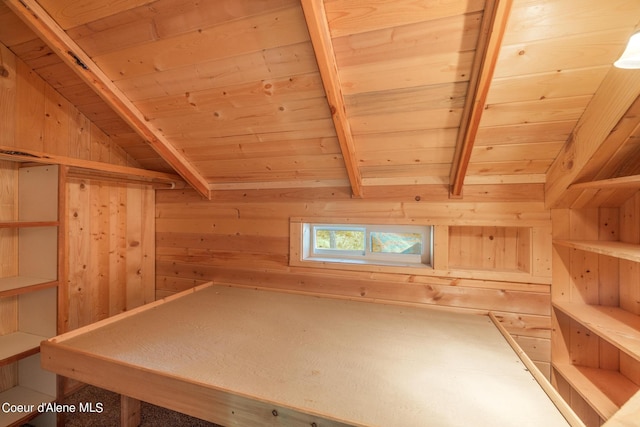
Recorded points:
396,243
343,240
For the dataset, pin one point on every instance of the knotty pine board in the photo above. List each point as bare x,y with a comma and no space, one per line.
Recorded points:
110,249
243,237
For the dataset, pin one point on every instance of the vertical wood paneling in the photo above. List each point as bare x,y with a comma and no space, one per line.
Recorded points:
541,257
491,248
56,122
608,267
29,109
79,142
148,239
8,211
441,247
63,266
8,85
630,271
608,273
99,248
111,229
135,292
78,250
117,250
99,151
584,273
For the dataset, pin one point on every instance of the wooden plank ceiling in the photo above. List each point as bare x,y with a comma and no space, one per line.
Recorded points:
284,93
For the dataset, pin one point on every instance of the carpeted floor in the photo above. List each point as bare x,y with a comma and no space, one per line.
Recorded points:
152,416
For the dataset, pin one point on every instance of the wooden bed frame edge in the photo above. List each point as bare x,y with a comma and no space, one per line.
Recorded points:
553,394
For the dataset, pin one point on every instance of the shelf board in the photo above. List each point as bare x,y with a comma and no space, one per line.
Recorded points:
628,251
16,285
22,396
25,224
604,390
628,414
615,325
18,345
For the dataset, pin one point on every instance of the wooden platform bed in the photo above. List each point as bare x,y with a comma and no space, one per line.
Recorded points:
249,357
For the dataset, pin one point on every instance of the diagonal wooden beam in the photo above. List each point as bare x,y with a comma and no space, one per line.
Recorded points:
494,23
70,53
610,118
318,25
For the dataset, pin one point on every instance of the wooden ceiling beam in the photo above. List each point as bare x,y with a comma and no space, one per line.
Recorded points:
318,26
71,54
606,124
494,24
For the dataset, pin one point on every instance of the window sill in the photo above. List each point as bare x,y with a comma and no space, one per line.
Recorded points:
348,261
359,265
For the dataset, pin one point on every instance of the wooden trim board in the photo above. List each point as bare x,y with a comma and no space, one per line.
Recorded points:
239,356
553,394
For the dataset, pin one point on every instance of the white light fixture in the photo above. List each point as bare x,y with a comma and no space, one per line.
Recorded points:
630,59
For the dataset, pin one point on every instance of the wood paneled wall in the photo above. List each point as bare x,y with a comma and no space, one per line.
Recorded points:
109,248
33,116
242,237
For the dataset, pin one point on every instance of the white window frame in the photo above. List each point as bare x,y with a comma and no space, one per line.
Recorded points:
309,253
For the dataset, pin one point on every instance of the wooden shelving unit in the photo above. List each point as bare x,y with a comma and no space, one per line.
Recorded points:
620,250
29,231
606,391
617,326
18,345
596,320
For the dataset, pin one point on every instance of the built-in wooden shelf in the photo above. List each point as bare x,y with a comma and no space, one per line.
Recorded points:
27,224
628,251
16,285
23,396
29,291
613,324
18,345
604,390
628,414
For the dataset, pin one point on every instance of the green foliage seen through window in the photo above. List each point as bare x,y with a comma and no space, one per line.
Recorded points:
344,240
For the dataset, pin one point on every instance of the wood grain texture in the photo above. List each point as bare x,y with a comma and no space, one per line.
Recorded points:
190,62
494,22
58,40
317,321
110,247
319,31
571,162
596,318
243,237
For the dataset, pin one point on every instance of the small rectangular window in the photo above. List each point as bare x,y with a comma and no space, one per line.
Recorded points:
368,244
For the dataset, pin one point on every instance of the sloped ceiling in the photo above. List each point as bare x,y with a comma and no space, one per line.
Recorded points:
279,93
